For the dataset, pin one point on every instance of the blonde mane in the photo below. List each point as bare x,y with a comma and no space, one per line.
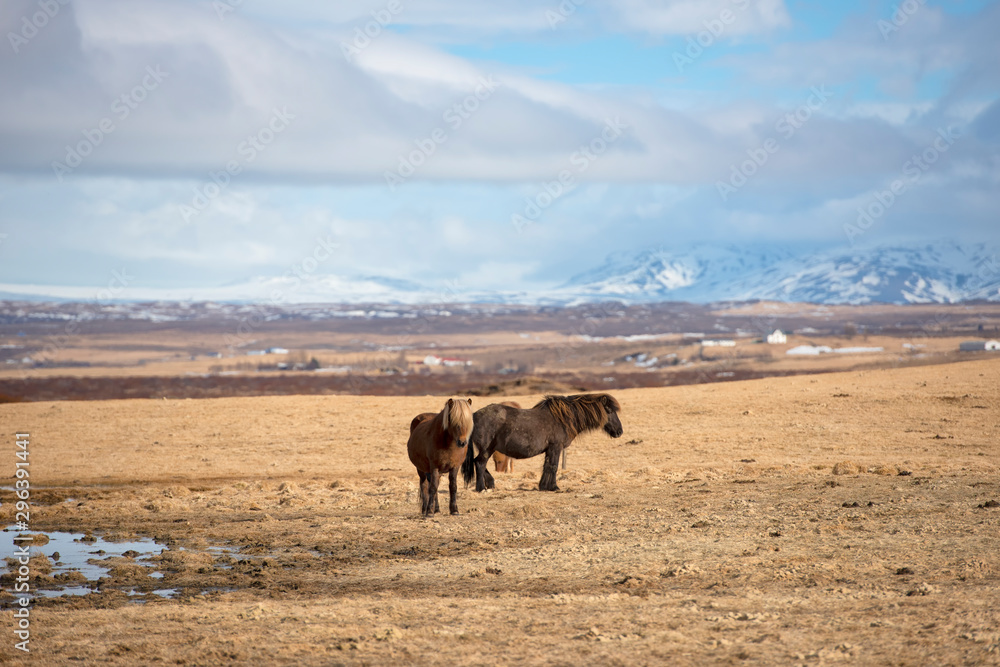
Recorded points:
456,418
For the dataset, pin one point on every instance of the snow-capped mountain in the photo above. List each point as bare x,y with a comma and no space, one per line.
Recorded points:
944,272
941,273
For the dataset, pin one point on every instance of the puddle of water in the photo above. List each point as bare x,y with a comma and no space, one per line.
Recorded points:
69,590
74,554
162,592
223,550
140,597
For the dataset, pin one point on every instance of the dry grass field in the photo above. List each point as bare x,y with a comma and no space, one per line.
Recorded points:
845,517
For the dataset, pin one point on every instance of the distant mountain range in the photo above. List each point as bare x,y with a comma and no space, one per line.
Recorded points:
944,272
941,273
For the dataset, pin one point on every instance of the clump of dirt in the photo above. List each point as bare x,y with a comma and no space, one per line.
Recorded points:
846,468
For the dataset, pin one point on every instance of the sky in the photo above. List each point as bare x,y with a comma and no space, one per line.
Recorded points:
201,143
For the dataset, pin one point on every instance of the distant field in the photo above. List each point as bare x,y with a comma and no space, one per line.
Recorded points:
844,517
70,352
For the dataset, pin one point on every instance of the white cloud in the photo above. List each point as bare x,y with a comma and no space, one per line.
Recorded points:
354,120
723,18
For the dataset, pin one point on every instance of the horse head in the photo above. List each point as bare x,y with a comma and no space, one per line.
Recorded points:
458,420
613,426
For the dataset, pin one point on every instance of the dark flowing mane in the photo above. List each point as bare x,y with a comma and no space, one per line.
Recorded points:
581,412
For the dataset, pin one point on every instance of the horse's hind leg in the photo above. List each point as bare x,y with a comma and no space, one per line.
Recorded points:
549,469
484,480
453,490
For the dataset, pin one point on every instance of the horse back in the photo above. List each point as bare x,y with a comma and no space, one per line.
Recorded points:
516,433
488,421
421,418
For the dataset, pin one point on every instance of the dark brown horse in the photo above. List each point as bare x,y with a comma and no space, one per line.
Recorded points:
549,427
501,462
437,444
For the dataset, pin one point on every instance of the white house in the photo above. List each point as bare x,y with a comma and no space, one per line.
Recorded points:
433,360
979,345
777,337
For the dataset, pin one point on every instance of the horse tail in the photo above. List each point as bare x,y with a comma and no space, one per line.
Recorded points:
469,464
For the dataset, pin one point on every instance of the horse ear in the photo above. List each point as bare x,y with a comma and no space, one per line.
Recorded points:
470,401
450,402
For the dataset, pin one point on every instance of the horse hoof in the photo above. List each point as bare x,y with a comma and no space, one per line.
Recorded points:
454,512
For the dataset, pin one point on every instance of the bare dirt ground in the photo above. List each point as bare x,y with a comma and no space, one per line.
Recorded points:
844,517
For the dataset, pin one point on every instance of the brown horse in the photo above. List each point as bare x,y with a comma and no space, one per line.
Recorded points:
549,427
437,444
501,462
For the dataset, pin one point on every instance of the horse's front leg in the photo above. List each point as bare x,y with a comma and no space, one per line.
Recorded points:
549,469
435,479
453,490
423,492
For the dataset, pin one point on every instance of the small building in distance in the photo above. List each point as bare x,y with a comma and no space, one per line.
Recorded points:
979,346
776,337
434,360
